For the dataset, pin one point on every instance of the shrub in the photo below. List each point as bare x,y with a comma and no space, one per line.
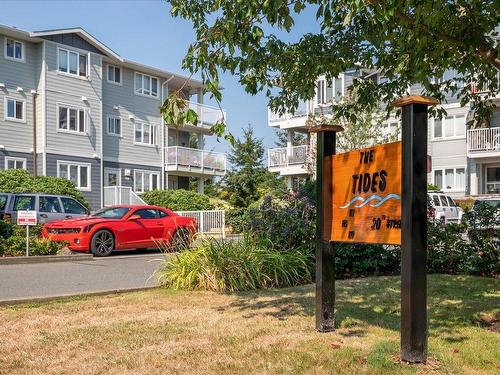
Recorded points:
178,200
6,229
237,219
20,181
353,260
235,266
16,246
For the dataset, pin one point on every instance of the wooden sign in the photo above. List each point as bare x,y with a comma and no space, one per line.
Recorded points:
367,195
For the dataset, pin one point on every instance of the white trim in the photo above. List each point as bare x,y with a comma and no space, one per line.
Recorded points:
44,110
121,74
86,117
109,117
23,50
443,176
79,165
152,126
451,137
157,96
13,119
10,158
143,172
68,73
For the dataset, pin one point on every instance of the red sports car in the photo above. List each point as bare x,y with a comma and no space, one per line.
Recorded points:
122,227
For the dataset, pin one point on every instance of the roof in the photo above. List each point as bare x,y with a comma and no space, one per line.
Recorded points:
37,36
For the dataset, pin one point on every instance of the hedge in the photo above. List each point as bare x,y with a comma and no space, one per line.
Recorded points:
178,200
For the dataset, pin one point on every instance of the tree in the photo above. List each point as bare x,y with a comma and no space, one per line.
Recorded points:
410,42
298,138
248,178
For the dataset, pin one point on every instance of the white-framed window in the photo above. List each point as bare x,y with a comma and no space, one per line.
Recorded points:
78,173
71,119
14,50
114,126
73,63
145,181
146,85
328,92
451,126
390,127
449,178
15,163
145,134
15,110
493,180
114,74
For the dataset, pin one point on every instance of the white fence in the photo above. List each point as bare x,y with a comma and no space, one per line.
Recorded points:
487,139
301,111
209,222
283,157
192,158
116,195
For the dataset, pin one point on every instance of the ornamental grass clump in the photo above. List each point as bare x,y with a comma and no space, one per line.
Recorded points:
230,266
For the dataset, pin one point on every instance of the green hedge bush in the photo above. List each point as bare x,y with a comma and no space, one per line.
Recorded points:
20,181
178,200
16,246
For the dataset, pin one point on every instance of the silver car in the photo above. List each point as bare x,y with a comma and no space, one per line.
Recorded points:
50,207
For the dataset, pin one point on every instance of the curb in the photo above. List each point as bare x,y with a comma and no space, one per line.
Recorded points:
45,259
31,300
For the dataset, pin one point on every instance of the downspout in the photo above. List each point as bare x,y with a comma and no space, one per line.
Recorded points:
164,133
35,168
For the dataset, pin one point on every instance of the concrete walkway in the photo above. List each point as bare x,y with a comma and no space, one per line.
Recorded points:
48,280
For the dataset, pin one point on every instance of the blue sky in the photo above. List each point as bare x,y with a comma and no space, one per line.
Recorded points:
144,31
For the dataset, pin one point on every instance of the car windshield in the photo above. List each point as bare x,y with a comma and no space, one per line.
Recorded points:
491,203
112,213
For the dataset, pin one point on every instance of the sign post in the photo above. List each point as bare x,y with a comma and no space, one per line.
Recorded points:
27,218
377,195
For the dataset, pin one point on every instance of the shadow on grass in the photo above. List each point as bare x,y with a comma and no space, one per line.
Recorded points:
453,302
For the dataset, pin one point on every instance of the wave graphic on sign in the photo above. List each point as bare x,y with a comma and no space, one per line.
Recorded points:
374,197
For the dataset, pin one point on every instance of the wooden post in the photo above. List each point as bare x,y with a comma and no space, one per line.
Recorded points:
414,228
325,249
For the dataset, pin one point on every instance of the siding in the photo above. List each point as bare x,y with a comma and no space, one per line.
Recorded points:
143,109
93,196
69,90
72,40
18,136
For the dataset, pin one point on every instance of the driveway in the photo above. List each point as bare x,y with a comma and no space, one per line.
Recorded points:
47,280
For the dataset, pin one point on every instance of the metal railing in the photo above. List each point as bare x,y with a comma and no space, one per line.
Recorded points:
487,139
301,111
116,195
286,156
192,158
207,115
209,222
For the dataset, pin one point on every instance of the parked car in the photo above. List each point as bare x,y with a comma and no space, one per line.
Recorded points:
50,207
123,227
443,208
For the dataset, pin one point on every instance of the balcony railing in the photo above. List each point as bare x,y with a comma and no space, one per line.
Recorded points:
481,140
287,156
208,116
301,111
195,160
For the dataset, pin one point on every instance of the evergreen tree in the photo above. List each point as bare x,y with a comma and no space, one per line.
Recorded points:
298,138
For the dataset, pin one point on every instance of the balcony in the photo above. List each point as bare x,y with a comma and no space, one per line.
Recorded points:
208,116
288,161
483,142
290,120
195,162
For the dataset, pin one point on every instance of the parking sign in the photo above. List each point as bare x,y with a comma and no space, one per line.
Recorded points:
27,217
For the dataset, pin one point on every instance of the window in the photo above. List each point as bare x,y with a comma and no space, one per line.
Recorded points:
15,163
493,180
112,213
24,202
162,214
71,206
77,173
146,85
72,62
114,126
147,214
14,50
145,134
14,110
49,204
444,202
145,181
3,201
450,126
320,92
71,119
454,178
114,74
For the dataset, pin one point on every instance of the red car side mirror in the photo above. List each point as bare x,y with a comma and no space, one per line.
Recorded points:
134,217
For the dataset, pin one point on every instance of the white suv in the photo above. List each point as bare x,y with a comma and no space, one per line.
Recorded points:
443,208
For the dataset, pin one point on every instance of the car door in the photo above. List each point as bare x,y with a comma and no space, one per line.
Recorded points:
49,209
453,209
72,208
446,207
143,231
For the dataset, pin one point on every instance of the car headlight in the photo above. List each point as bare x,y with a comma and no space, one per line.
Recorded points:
87,228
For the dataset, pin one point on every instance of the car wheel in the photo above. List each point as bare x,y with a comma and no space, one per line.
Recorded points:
181,239
103,243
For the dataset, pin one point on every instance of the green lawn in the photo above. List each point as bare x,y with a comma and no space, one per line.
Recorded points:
266,332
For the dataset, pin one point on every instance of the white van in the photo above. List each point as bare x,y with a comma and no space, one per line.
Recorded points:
443,208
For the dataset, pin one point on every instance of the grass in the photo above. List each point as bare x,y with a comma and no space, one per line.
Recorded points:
259,332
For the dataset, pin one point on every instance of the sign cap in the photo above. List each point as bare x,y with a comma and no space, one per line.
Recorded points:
326,128
415,99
